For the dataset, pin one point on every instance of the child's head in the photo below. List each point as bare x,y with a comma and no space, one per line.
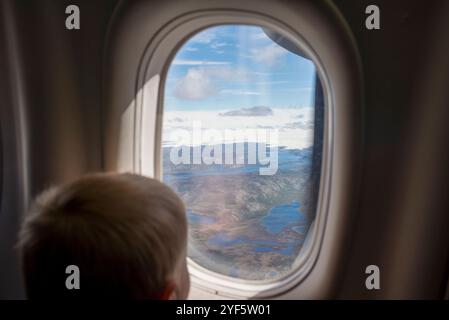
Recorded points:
126,233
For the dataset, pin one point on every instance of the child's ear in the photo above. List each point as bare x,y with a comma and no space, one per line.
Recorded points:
169,292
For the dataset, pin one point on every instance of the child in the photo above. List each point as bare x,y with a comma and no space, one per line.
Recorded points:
125,233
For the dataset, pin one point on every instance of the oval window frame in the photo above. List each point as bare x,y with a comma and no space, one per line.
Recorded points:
192,25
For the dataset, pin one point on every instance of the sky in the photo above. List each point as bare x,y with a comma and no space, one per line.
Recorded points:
235,77
235,66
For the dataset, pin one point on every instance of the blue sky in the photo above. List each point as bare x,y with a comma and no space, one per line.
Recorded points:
233,67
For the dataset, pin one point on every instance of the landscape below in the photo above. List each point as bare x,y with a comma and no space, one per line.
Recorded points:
243,224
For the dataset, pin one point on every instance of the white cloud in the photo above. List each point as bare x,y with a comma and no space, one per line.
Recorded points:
200,83
304,89
217,45
269,55
230,74
238,92
176,119
249,112
309,124
183,62
291,135
271,82
257,73
191,49
196,85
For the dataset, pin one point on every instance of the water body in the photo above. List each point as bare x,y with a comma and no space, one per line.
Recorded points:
199,218
278,218
281,216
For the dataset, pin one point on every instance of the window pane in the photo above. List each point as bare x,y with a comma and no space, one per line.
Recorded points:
242,147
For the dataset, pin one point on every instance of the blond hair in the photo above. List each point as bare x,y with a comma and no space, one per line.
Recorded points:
125,233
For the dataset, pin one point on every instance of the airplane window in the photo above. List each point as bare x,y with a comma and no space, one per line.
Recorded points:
241,144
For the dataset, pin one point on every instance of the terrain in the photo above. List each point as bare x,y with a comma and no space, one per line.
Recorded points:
243,224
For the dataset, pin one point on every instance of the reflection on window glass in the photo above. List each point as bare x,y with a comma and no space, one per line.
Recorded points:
240,147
